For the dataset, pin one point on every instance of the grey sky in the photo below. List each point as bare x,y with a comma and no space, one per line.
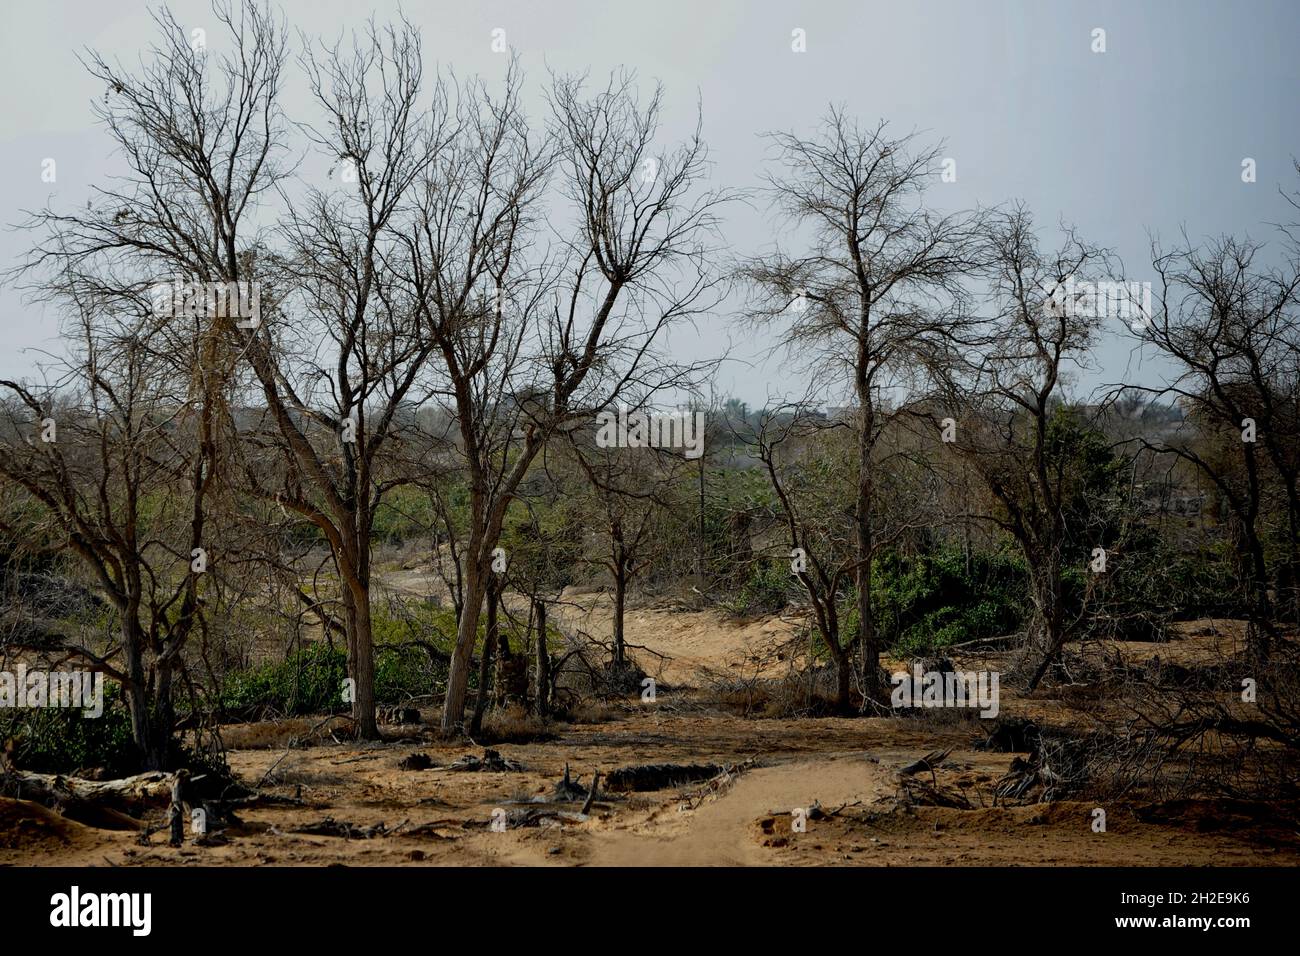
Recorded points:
1149,135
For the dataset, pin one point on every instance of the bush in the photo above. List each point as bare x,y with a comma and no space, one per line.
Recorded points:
927,603
310,681
307,681
765,591
61,740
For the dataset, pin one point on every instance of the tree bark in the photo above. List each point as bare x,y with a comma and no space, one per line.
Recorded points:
453,705
151,738
486,658
869,648
363,670
620,607
543,694
1049,617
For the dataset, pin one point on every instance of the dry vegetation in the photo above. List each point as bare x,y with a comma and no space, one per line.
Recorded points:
368,586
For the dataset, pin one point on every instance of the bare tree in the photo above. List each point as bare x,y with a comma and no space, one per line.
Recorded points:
807,473
630,490
880,283
199,135
1229,325
546,538
342,362
1002,398
122,463
529,342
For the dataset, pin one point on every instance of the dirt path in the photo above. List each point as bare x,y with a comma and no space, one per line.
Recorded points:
721,832
678,646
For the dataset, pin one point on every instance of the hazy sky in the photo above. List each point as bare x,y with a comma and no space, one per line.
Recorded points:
1146,137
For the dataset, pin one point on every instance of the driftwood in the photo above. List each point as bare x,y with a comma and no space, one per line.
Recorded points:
348,831
591,794
934,795
539,816
926,764
567,790
124,804
106,804
492,762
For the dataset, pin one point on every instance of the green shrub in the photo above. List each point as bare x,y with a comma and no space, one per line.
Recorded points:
61,740
929,602
310,680
307,681
766,589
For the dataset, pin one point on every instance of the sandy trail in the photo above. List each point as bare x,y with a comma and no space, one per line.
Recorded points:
678,646
721,832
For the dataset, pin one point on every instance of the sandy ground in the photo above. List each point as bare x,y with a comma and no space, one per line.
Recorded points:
675,645
846,767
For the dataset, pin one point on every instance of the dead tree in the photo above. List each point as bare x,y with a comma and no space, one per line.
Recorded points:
524,346
343,359
794,445
1229,326
881,279
200,138
629,488
1001,391
122,466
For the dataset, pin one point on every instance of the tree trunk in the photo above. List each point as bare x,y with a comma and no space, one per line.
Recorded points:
1254,574
842,658
453,705
543,695
1049,618
151,737
361,660
869,648
620,606
485,659
842,683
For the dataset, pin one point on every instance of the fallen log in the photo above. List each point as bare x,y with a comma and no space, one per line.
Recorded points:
122,804
108,804
348,831
927,764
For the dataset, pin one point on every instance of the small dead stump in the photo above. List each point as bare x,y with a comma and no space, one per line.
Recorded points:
492,761
568,790
418,761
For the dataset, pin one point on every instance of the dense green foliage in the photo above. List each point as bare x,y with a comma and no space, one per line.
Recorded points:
62,740
929,602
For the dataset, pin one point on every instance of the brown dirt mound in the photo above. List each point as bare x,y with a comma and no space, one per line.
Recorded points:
27,826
